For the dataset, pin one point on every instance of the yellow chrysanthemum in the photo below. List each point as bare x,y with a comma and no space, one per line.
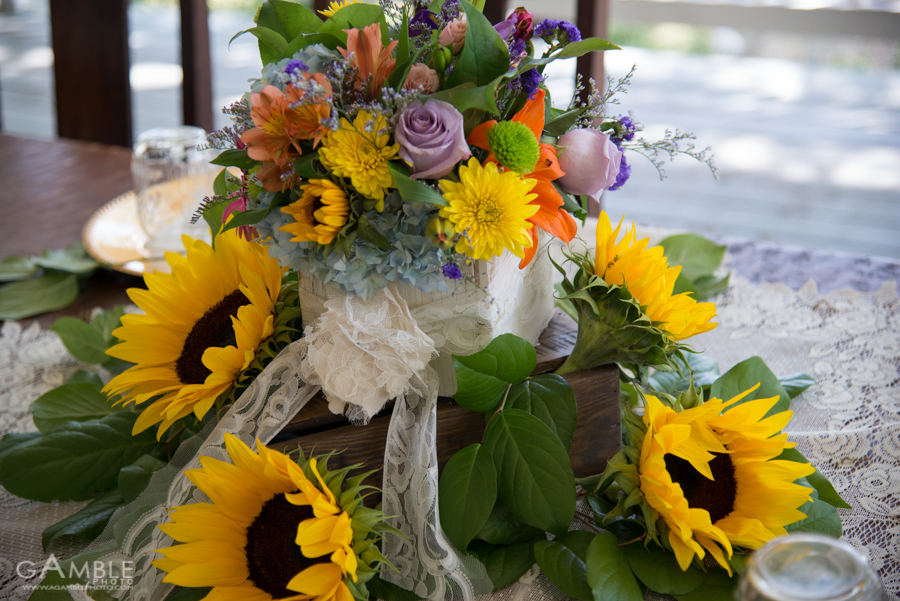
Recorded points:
319,214
333,7
204,324
259,538
490,209
645,272
361,151
713,477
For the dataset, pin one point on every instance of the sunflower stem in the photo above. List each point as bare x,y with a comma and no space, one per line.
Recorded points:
634,540
590,524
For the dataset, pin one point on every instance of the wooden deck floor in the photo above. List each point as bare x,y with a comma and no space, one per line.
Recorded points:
808,155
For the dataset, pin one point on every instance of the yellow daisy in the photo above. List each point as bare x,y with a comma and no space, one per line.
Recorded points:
204,324
713,478
319,214
333,7
490,208
268,530
645,272
361,151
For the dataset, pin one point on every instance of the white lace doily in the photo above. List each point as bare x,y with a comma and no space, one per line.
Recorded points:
848,424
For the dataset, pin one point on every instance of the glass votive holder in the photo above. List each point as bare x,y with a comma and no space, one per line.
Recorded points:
806,567
171,178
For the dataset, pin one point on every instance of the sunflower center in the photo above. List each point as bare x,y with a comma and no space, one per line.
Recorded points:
273,558
715,496
213,329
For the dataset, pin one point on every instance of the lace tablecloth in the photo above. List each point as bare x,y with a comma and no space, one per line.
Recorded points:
848,424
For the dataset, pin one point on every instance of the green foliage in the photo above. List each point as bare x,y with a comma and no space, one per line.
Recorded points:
563,561
660,571
698,258
503,528
17,268
26,298
484,56
549,398
413,190
355,16
506,563
467,494
795,384
575,49
821,518
271,43
85,342
76,459
82,401
87,523
482,378
608,573
388,591
71,259
716,587
195,594
133,479
744,376
467,96
704,369
235,158
536,479
296,18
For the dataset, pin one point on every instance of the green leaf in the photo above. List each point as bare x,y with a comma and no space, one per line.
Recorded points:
704,368
85,377
71,259
295,18
503,528
744,376
388,591
248,217
562,560
708,286
133,479
355,16
15,440
795,384
85,342
484,56
572,50
107,321
266,16
468,96
235,158
482,378
301,42
506,564
716,587
608,572
467,493
535,477
403,41
696,255
398,77
413,190
370,234
88,523
50,292
549,398
76,460
821,518
17,268
271,44
817,480
70,402
660,571
193,594
561,124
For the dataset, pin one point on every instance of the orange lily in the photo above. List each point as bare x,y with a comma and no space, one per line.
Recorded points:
370,56
551,217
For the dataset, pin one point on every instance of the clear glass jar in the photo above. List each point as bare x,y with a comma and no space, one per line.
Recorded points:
171,178
803,567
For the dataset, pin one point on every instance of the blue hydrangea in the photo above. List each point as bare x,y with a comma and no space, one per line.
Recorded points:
413,258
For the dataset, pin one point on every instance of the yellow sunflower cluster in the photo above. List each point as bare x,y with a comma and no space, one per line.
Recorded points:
709,475
276,529
203,326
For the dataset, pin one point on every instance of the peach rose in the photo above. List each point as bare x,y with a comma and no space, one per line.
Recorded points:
421,75
455,34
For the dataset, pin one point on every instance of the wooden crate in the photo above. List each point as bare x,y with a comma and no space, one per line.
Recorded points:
598,435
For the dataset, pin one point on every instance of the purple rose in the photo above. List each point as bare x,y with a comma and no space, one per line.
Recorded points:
590,160
431,138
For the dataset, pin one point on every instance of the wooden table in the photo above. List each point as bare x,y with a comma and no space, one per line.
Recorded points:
50,189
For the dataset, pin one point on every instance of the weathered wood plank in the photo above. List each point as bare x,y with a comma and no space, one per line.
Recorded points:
197,100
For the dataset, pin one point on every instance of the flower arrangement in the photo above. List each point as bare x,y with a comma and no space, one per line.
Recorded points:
395,143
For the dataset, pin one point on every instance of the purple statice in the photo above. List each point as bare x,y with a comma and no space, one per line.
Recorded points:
517,49
529,82
622,177
422,23
628,129
295,67
452,271
450,10
552,29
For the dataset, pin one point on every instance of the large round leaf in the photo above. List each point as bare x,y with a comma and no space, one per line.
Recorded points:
468,490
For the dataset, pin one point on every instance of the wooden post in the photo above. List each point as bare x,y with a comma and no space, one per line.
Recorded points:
196,87
91,69
320,5
495,10
592,21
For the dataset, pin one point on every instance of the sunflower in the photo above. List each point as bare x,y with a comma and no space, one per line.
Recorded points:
645,272
361,151
491,210
319,214
275,529
203,326
337,5
712,477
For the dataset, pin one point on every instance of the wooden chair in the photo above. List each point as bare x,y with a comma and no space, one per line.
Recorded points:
91,68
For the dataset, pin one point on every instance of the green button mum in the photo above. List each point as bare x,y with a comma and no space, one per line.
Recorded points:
514,146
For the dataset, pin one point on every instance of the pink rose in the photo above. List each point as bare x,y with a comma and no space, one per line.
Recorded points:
431,138
421,75
455,33
590,160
